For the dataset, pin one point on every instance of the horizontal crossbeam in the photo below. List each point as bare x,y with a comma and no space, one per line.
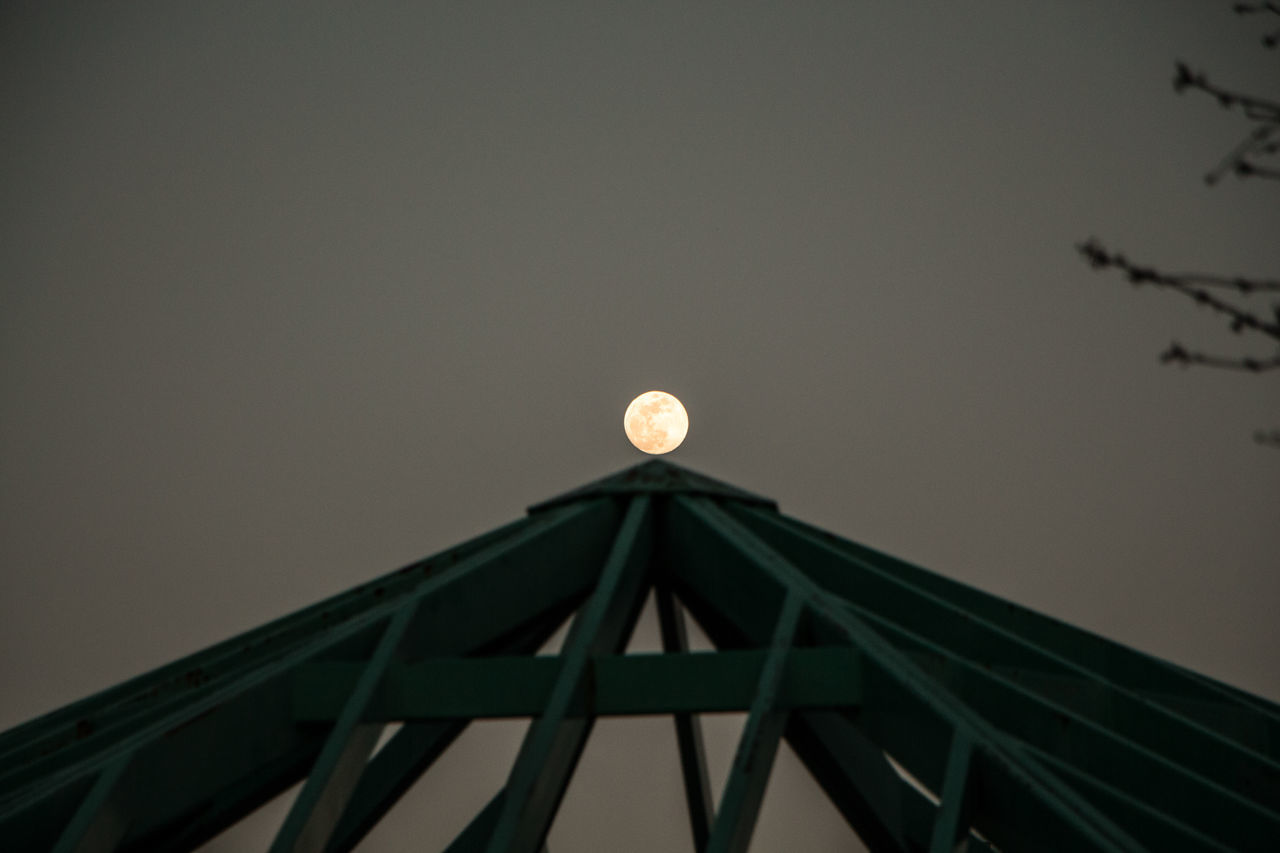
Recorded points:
454,688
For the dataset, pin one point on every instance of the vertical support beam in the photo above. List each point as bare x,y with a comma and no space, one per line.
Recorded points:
98,825
555,739
952,819
693,759
324,796
744,790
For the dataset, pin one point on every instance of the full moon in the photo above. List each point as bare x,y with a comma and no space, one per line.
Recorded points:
656,422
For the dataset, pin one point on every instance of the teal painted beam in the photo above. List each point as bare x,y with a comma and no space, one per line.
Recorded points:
951,823
659,480
476,834
232,801
1175,739
395,767
132,703
556,737
1117,736
923,612
739,807
1072,742
238,728
1249,720
904,709
857,778
693,759
888,813
520,686
1170,788
103,817
388,775
408,754
1161,831
62,743
324,796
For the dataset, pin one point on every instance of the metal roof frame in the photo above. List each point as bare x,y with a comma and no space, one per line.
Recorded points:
1026,733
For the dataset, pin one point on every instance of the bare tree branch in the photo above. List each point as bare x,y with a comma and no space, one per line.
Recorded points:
1271,39
1255,156
1268,438
1191,286
1177,354
1255,108
1264,140
1100,258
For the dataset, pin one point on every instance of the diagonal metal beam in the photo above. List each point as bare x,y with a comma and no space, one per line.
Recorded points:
693,759
722,568
1068,739
1004,632
404,758
555,739
887,813
1160,830
399,763
1194,776
99,823
48,739
323,798
857,778
234,722
1213,808
476,834
952,819
1136,717
740,804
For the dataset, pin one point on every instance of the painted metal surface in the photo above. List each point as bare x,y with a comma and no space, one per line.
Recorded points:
693,759
1011,729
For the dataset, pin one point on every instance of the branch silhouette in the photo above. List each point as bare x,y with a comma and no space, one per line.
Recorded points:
1271,39
1255,156
1270,438
1178,354
1194,287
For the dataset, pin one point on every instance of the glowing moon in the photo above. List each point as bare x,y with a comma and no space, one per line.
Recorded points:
656,422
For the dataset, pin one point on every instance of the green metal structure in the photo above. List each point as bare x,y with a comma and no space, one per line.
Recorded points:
1020,732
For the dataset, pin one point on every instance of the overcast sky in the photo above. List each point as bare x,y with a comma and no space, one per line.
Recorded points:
295,295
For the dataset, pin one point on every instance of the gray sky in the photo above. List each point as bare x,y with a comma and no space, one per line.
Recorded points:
293,296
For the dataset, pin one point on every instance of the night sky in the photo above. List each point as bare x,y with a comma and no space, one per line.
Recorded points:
296,294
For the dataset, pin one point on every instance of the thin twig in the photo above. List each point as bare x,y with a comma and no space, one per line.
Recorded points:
1237,162
1178,354
1241,319
1257,109
1271,39
1268,438
1262,142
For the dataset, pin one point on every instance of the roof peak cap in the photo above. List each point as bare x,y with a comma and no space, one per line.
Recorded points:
657,476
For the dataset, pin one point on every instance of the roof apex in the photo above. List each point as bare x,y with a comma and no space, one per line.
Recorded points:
656,477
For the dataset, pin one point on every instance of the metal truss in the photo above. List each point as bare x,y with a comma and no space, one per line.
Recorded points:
1017,732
